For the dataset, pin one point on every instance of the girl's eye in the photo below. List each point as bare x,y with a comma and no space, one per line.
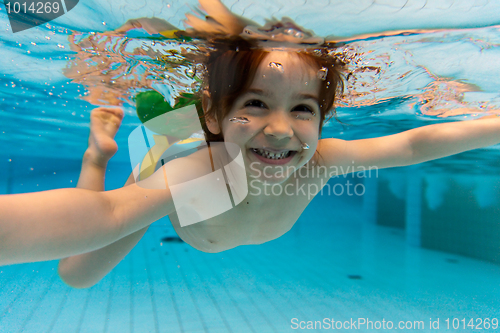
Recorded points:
255,103
303,108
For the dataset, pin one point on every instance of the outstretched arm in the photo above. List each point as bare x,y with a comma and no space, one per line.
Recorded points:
60,223
87,269
411,147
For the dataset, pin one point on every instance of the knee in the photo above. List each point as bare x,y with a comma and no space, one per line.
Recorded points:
72,277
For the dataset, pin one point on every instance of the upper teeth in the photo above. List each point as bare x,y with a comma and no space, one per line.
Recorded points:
270,154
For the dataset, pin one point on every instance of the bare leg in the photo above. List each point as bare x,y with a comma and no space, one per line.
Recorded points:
104,123
85,270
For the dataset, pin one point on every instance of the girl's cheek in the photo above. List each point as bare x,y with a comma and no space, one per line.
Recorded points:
238,133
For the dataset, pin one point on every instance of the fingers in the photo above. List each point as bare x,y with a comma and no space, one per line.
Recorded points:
222,15
202,25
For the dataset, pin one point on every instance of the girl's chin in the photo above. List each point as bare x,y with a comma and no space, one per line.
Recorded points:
267,178
268,174
267,181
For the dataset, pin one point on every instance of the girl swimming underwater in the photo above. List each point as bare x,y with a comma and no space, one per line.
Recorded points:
269,102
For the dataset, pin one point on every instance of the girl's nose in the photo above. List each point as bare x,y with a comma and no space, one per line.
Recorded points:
279,126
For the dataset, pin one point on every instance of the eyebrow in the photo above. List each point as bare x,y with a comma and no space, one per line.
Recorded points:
308,96
266,94
258,92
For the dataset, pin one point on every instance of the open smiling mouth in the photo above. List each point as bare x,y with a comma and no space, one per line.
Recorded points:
272,157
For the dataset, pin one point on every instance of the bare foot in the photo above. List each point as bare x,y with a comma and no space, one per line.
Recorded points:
104,123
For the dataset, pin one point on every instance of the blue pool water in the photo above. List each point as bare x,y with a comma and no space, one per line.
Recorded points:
421,244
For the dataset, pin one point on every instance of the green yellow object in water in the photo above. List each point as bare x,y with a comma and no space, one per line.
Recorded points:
171,124
150,104
180,120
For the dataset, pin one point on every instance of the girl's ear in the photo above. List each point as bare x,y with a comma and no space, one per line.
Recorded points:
211,122
206,101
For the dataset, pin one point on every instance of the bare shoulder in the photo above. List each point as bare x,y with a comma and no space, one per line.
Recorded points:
187,168
330,152
333,157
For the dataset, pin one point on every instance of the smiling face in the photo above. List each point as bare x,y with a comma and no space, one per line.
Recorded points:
281,105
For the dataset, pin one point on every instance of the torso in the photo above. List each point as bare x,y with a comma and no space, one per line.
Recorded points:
256,220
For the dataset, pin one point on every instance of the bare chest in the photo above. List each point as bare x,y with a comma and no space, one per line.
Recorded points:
247,223
261,217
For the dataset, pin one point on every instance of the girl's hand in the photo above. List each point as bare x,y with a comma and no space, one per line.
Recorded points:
218,19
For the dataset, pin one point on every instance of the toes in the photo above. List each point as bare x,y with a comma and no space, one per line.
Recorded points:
117,112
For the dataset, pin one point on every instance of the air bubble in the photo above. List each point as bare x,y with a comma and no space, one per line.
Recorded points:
305,146
199,68
190,72
276,66
239,120
322,73
306,119
294,32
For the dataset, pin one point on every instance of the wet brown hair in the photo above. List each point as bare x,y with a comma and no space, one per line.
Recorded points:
230,70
